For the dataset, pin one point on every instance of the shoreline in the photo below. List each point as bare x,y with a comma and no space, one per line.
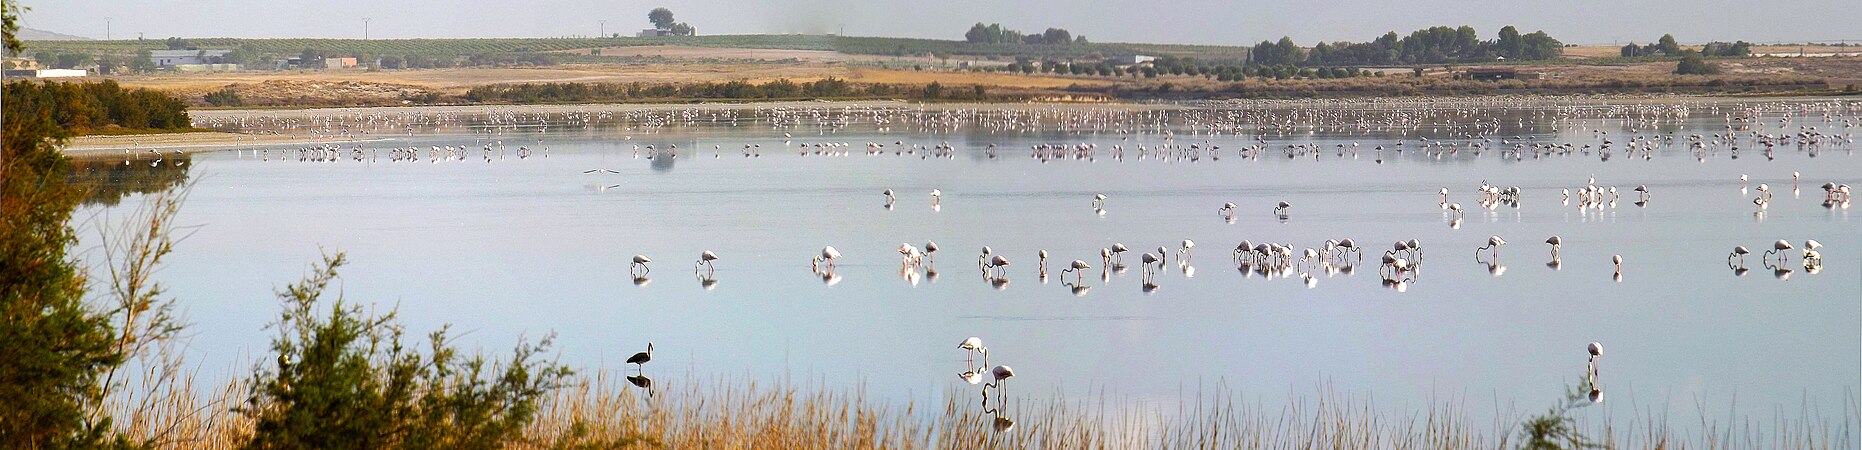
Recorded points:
90,147
103,146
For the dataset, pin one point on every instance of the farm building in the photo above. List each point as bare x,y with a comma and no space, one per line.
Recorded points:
1131,60
171,58
653,32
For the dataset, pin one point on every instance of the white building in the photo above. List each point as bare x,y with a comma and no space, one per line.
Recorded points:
171,58
654,32
1133,59
48,73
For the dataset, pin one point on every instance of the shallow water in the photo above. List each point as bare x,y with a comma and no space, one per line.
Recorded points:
526,247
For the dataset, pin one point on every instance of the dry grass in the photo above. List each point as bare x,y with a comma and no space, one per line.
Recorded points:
604,411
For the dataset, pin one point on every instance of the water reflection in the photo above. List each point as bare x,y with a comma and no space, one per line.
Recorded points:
108,181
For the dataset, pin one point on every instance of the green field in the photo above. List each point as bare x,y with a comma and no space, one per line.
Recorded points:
850,44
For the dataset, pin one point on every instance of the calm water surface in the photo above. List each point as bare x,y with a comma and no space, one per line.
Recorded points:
527,247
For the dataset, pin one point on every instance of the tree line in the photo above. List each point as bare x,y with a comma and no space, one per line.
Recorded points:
77,108
1433,45
1667,46
995,34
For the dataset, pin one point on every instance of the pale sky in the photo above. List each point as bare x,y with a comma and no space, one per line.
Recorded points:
1152,21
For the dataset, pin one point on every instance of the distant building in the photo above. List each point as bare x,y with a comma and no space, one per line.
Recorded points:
1133,60
171,58
338,63
654,32
47,73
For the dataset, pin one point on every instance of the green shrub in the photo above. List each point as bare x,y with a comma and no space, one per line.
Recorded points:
224,97
343,378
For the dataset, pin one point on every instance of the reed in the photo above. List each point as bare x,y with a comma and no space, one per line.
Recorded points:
605,410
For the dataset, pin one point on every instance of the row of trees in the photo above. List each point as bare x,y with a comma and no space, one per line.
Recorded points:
1666,46
1170,65
995,34
1434,45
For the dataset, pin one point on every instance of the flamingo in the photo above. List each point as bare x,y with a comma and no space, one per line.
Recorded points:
930,247
640,265
1778,248
1227,211
890,198
1183,256
1076,267
1556,244
705,259
997,262
971,345
827,258
1618,260
1739,253
937,198
1281,209
1099,201
1493,243
640,359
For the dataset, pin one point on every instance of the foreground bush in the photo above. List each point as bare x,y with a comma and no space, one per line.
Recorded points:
345,379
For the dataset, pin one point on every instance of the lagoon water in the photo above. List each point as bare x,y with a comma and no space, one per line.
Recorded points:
530,247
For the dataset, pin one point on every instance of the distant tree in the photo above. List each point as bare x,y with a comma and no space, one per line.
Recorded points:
223,97
144,62
934,90
1693,65
1631,50
681,29
1510,44
393,62
1668,46
661,18
72,60
175,43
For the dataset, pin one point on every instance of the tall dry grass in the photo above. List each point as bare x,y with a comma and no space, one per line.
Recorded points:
603,410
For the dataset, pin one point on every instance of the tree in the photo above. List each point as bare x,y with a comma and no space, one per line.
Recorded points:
1668,46
144,62
175,43
1510,44
661,18
9,26
681,29
1692,64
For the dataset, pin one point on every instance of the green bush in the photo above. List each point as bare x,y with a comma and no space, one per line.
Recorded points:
343,378
1694,65
224,97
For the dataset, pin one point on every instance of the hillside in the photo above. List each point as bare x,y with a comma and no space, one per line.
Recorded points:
34,34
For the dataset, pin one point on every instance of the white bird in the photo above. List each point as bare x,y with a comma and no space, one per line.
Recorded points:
705,259
972,345
640,265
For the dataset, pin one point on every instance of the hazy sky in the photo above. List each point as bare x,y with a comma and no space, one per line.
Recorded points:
1171,21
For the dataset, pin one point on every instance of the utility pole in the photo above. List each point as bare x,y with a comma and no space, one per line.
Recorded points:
106,28
604,28
365,28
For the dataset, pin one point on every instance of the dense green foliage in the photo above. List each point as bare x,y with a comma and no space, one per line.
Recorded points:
81,107
995,34
55,346
1694,65
1433,45
345,379
56,350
